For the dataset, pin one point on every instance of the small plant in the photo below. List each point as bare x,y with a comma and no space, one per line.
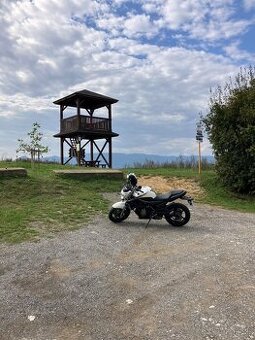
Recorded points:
34,147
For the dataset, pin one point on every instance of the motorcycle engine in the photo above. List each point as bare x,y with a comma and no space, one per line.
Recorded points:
142,212
147,213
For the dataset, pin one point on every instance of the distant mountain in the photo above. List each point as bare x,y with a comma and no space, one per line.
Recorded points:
124,160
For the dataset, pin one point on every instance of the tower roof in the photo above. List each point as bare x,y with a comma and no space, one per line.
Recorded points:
87,100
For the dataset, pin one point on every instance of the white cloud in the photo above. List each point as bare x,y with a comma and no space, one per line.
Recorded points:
221,30
234,52
131,26
165,93
181,13
19,104
249,4
204,20
138,25
51,49
162,118
150,7
45,47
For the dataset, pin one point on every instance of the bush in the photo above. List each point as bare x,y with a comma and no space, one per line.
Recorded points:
230,125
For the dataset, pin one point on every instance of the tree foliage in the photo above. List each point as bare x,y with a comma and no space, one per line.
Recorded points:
33,147
230,125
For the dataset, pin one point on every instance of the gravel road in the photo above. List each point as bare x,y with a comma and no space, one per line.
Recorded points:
123,281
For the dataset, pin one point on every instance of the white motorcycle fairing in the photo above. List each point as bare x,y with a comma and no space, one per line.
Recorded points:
119,205
144,192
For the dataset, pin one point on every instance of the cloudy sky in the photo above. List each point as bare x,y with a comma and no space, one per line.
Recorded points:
158,57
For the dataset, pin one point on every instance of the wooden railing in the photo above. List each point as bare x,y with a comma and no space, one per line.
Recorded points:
87,123
69,124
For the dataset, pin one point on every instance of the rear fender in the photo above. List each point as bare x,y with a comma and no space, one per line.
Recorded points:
189,199
119,205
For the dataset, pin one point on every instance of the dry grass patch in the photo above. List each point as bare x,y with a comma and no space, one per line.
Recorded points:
163,184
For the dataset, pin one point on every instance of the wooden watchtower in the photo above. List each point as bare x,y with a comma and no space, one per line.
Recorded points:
81,131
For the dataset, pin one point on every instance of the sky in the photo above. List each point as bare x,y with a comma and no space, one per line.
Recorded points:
159,58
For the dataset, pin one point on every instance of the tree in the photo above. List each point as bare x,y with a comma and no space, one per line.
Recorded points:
230,125
34,146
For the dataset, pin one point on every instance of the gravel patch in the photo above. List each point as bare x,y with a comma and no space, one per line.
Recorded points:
125,281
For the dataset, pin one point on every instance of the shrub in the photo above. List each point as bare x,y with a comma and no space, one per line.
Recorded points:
230,125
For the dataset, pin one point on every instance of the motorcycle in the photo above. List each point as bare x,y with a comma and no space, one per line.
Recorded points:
148,205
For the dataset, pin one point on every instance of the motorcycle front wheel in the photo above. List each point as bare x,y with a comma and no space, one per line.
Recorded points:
117,215
177,214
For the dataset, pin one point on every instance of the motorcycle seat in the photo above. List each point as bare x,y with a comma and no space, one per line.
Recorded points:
174,194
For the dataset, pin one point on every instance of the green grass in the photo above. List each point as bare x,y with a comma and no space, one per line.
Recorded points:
43,203
218,195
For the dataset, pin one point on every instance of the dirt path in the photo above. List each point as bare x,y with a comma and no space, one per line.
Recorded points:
123,281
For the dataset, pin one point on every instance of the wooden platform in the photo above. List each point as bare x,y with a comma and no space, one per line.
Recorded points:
13,172
92,172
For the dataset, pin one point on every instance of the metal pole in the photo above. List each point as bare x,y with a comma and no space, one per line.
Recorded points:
199,158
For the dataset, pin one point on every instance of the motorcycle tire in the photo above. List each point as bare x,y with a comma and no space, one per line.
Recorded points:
177,214
118,215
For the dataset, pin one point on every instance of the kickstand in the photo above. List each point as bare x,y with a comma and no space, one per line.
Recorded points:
148,222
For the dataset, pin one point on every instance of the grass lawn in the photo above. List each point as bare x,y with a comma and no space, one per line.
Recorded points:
43,203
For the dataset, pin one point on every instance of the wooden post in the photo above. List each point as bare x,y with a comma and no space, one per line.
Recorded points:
110,139
110,152
61,113
62,139
110,116
62,150
91,151
199,158
78,113
199,138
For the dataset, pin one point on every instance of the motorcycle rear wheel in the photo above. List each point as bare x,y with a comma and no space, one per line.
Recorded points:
177,214
118,215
